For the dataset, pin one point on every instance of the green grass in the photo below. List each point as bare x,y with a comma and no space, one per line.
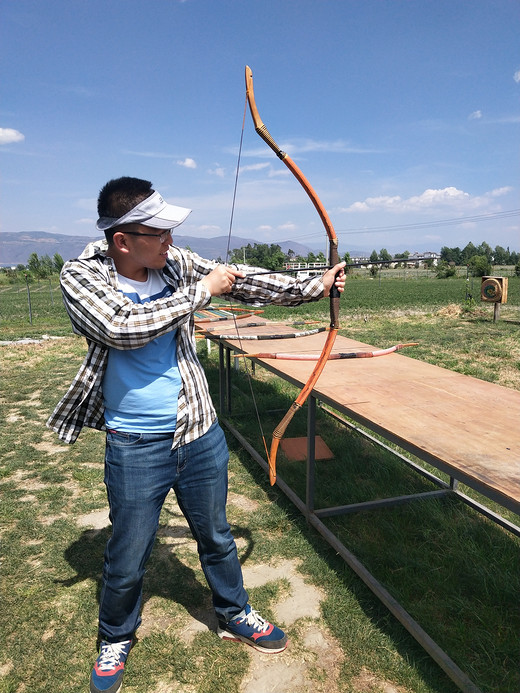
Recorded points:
30,312
454,571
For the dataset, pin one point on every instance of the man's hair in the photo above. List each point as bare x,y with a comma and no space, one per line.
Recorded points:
120,195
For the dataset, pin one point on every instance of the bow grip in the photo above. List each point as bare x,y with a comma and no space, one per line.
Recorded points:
334,292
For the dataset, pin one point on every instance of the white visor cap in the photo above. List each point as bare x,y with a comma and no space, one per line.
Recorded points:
153,211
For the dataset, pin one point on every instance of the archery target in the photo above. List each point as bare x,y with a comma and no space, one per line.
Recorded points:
492,290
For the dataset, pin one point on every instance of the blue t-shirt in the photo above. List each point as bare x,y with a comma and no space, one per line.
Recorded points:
141,386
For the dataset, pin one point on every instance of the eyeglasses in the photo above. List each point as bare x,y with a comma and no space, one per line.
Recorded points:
163,237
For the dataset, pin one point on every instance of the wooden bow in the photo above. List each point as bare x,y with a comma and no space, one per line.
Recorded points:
289,356
333,260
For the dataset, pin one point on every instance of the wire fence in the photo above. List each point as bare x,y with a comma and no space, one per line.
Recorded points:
31,302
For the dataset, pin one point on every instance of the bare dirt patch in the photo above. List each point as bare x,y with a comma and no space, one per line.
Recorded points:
97,520
366,682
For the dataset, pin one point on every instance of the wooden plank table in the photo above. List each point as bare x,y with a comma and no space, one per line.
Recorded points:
465,427
462,426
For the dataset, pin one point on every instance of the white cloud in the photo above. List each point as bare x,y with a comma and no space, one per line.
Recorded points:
279,172
432,198
8,136
498,192
476,115
188,163
516,76
303,146
450,199
218,171
254,167
150,155
446,197
381,202
310,145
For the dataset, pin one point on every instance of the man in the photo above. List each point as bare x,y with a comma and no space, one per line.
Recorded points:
133,297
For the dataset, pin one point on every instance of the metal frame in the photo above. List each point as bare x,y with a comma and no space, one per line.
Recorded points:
314,516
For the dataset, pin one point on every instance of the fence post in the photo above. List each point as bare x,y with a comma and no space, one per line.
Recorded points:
29,298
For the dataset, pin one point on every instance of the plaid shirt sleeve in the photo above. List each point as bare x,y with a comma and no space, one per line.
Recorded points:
278,289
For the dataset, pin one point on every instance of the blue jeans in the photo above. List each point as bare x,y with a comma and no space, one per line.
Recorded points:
140,470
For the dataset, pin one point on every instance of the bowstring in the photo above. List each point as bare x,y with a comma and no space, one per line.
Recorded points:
228,249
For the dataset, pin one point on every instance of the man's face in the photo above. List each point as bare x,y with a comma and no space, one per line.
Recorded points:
147,246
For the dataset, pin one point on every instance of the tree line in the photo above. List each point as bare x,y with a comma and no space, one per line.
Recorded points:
271,256
496,256
479,259
37,267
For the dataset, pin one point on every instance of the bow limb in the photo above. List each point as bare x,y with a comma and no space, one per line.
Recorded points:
298,402
333,260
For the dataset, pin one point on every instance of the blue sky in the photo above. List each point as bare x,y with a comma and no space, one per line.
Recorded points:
403,114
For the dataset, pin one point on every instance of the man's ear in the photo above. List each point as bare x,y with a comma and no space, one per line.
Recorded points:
119,240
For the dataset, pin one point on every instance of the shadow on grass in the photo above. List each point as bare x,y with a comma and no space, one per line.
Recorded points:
166,577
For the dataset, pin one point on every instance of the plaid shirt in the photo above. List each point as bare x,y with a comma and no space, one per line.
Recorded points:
109,319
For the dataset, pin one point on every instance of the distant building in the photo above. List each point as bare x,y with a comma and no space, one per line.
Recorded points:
427,255
304,270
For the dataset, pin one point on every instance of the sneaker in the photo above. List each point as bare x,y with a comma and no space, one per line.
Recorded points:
251,628
107,674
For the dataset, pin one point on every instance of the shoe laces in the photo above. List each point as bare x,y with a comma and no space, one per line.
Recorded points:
110,654
254,620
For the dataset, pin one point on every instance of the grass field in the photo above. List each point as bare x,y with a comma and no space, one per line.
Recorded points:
455,572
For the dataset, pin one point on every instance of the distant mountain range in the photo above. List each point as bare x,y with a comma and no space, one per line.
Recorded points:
15,248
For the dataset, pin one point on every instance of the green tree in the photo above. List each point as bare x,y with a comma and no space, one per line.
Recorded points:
263,255
486,250
384,255
500,256
42,266
57,262
467,253
47,266
479,266
34,265
451,255
346,258
374,257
